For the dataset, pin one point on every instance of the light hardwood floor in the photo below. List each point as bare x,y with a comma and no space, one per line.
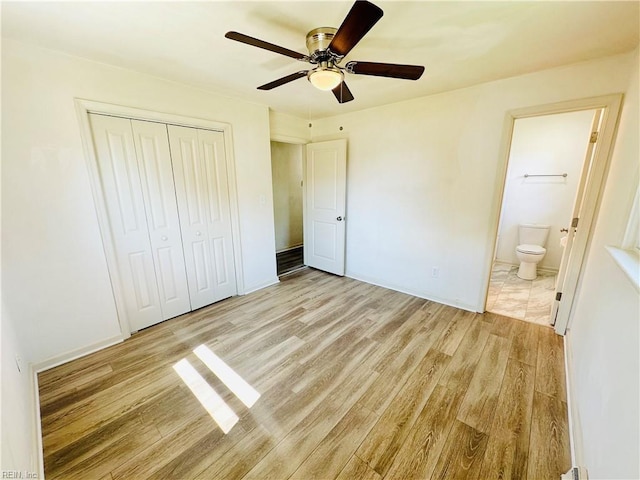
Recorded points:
356,382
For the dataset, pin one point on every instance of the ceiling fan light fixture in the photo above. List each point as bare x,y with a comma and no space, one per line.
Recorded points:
326,78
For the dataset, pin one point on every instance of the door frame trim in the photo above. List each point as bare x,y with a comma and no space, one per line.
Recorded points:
83,108
611,105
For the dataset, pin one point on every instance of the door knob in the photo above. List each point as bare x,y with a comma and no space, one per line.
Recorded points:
198,234
164,238
339,219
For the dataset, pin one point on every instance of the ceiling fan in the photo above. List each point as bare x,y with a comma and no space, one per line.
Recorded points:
327,48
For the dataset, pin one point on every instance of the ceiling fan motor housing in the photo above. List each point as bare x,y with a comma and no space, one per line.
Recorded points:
318,41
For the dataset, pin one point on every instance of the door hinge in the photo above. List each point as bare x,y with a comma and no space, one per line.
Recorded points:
558,296
593,138
574,222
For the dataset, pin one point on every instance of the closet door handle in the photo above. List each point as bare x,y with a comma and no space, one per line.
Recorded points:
198,234
164,238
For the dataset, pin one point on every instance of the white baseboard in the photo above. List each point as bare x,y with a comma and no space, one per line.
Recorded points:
74,354
37,423
539,269
261,286
573,417
432,298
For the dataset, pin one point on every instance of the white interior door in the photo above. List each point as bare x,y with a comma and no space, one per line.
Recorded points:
156,175
120,179
325,206
575,218
199,170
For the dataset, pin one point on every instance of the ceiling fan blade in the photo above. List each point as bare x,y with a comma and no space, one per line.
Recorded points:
362,16
242,38
392,70
283,80
342,93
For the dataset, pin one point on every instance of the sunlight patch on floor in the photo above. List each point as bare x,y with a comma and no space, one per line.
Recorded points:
234,382
206,395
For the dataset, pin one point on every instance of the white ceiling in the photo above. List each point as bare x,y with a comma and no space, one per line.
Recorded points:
459,43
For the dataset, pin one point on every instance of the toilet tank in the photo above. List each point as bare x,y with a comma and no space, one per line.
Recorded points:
532,234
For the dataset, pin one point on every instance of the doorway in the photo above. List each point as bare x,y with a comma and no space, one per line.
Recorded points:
287,178
549,159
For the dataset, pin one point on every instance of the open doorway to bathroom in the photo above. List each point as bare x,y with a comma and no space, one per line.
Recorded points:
548,162
287,174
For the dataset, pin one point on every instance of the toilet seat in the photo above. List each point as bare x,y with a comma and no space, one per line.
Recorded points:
531,249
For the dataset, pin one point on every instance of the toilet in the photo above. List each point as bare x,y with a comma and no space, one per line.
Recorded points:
530,250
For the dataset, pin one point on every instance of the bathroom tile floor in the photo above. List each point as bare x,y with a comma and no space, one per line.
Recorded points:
528,300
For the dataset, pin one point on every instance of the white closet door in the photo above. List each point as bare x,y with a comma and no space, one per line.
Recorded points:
122,190
203,202
156,175
218,212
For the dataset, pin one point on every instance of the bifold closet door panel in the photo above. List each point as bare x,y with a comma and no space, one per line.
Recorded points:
154,163
219,212
120,180
202,194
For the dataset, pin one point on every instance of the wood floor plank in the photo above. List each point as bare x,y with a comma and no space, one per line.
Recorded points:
462,366
397,370
161,452
335,450
499,456
419,454
110,457
479,404
71,382
511,428
549,448
381,445
356,468
89,416
462,453
344,369
393,346
189,463
524,342
307,430
235,462
455,332
550,377
499,325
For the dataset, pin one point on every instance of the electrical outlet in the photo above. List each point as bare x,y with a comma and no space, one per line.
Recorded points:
19,363
435,271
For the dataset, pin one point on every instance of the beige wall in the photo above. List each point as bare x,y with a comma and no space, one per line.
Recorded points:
286,172
603,342
424,176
